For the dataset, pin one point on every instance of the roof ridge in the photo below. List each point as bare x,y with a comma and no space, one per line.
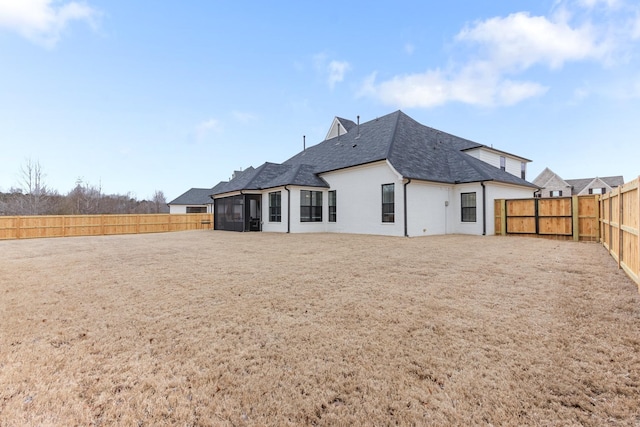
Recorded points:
393,134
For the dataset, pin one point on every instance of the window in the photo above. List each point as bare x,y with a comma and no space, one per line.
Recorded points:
332,206
523,170
388,207
196,209
468,203
597,190
275,206
503,163
555,193
310,206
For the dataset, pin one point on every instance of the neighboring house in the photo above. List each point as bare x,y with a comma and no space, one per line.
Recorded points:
389,176
552,185
196,200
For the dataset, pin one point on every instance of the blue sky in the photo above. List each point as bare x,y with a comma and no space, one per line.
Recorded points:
138,96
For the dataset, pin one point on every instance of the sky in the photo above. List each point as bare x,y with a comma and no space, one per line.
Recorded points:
144,96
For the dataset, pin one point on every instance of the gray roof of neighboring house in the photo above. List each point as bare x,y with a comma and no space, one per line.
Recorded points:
194,196
580,184
415,151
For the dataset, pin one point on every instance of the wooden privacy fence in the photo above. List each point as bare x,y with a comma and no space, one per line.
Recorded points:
27,227
620,227
570,218
612,219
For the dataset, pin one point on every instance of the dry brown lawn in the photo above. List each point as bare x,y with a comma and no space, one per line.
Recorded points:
223,328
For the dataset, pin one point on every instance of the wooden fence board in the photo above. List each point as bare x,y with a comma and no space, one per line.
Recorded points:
30,227
620,227
561,218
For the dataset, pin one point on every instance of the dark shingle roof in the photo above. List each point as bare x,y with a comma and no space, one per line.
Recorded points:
415,151
194,196
580,184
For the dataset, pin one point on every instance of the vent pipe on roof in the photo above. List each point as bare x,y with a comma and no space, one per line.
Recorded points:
338,130
358,135
304,142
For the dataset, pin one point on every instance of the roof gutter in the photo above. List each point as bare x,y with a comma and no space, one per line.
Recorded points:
288,209
406,226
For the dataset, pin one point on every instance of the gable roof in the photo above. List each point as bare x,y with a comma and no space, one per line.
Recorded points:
544,179
546,176
414,150
582,183
193,196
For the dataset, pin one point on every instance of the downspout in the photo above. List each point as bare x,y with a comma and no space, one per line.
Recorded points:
406,227
288,209
484,209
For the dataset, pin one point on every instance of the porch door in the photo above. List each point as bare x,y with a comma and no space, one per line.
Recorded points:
253,213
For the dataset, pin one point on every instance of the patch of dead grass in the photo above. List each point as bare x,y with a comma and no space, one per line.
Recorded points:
220,328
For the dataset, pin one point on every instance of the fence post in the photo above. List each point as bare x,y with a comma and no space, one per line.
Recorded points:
18,221
620,223
575,218
503,217
598,217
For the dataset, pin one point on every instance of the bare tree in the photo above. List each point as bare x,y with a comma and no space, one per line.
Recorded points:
31,199
159,201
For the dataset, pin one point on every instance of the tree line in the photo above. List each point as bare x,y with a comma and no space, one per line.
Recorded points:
32,196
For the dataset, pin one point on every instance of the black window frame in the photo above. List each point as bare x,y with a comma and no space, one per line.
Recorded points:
333,203
503,163
275,206
468,210
311,211
388,207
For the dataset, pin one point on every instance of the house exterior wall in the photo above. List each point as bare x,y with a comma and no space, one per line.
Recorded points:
281,226
181,209
359,200
429,208
555,183
596,184
513,164
433,208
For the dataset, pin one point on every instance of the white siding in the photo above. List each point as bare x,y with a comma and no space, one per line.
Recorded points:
275,226
429,208
177,209
455,210
181,209
359,200
308,227
513,164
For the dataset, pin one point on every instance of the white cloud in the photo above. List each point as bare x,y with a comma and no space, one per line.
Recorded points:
44,21
435,87
331,70
520,40
337,70
502,49
590,4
